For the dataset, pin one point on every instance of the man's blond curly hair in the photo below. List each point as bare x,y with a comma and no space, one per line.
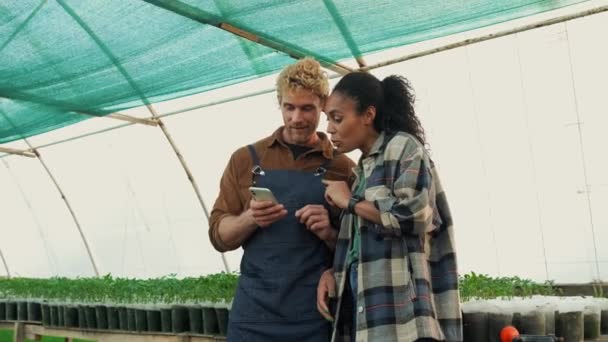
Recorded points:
304,74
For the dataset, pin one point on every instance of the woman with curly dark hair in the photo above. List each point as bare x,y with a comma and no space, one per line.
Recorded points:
394,275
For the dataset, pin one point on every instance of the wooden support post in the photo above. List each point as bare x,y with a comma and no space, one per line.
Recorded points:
19,332
25,153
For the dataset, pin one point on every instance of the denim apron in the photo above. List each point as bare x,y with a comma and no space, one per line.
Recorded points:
276,296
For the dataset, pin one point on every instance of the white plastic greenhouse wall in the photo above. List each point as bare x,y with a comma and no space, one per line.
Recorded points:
517,126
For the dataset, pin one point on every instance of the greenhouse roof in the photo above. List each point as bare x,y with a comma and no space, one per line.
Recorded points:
64,61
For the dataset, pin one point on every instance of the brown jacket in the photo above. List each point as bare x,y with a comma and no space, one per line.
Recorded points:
234,195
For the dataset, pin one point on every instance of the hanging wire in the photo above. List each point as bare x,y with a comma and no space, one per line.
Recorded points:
49,252
482,154
534,172
135,211
124,245
582,150
170,233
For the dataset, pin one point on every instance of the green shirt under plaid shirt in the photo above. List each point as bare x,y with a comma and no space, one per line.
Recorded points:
353,252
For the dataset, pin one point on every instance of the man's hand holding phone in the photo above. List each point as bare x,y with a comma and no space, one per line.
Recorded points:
264,207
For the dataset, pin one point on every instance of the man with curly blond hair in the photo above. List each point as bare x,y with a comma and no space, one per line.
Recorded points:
289,244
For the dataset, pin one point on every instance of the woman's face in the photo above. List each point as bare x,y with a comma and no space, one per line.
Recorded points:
349,130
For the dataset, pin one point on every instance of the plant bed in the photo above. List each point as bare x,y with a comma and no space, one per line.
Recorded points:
166,290
160,305
573,318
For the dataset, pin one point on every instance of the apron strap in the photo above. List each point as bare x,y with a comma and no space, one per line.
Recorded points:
254,155
257,169
321,170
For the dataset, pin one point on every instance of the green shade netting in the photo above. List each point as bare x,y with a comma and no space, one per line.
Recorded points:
62,58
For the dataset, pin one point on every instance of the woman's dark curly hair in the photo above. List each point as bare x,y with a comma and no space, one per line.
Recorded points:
392,97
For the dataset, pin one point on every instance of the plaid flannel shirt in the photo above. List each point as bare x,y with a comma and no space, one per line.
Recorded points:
407,275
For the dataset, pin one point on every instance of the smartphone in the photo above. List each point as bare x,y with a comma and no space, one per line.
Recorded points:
262,194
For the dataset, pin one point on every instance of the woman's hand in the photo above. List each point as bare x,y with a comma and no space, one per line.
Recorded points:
337,193
316,219
326,290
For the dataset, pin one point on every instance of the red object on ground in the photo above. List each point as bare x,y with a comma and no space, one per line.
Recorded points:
508,333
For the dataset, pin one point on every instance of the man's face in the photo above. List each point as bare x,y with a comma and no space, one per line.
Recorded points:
301,110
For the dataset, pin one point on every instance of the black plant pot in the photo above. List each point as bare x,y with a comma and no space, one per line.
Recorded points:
591,322
195,315
101,313
533,323
82,317
154,321
60,315
54,315
123,318
166,322
22,311
604,322
70,316
34,313
11,311
131,319
141,320
113,319
45,311
571,326
496,322
210,321
222,319
91,317
179,319
475,326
